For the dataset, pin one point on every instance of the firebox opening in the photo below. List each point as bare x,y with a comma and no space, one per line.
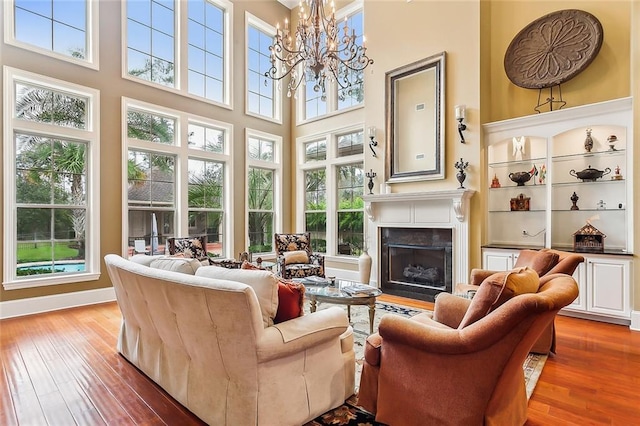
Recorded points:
416,263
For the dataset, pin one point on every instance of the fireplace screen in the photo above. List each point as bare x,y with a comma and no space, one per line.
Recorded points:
423,266
416,262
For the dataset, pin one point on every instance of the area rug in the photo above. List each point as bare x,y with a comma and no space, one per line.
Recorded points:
349,413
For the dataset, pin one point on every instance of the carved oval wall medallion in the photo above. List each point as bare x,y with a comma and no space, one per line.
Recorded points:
553,49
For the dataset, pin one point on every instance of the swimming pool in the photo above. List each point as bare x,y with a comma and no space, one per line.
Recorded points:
58,267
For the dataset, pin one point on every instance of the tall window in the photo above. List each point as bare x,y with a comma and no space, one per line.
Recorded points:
313,102
51,183
333,182
263,97
154,38
350,226
263,182
176,160
66,29
315,201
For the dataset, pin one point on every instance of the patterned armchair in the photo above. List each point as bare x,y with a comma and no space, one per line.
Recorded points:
195,247
294,256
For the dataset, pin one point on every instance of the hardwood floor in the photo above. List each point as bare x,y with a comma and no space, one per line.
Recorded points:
61,368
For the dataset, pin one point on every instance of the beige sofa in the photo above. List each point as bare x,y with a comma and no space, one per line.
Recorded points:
207,343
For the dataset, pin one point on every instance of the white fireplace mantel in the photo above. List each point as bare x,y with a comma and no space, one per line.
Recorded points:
458,197
433,209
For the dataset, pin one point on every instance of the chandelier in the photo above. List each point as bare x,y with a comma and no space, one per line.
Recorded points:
320,51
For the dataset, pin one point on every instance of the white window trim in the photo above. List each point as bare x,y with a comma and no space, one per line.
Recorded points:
182,151
330,165
252,20
332,90
91,135
93,53
276,166
182,51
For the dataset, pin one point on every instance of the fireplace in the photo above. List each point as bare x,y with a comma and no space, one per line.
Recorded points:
416,262
446,246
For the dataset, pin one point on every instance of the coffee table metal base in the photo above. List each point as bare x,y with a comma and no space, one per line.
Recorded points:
369,301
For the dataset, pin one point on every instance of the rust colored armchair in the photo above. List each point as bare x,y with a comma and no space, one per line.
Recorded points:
447,370
544,262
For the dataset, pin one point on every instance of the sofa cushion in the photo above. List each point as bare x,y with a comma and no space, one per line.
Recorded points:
263,283
497,289
145,260
290,297
176,264
296,256
539,261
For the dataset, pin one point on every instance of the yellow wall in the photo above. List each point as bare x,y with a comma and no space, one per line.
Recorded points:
417,30
112,87
607,77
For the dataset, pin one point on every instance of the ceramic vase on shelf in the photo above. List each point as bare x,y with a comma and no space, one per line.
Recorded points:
364,267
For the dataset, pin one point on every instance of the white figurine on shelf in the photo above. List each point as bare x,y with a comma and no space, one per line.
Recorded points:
518,147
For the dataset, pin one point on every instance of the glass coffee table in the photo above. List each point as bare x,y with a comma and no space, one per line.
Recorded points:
335,293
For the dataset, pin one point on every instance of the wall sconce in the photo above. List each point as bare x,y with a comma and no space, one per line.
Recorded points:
460,111
373,142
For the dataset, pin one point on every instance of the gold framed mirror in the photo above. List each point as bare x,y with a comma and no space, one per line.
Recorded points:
415,121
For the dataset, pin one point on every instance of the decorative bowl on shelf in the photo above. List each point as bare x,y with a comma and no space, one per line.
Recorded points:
589,174
520,177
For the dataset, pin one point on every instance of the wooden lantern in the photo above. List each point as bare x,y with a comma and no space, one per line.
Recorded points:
588,239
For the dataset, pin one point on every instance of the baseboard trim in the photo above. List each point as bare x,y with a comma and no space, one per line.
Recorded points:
635,321
36,305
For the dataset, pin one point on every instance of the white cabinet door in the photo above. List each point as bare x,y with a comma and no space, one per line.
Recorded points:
498,260
609,282
580,275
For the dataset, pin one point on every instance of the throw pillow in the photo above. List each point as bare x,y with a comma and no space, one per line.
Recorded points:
195,247
264,284
539,261
182,265
297,256
497,289
290,297
290,300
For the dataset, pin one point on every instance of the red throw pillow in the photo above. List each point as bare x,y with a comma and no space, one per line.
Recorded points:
290,301
290,297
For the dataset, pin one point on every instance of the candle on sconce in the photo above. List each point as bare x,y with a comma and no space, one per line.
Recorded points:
460,111
372,132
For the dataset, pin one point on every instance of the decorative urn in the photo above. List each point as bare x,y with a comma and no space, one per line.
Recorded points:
589,174
520,177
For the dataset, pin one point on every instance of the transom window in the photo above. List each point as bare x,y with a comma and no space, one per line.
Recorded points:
177,179
206,50
51,181
151,41
66,29
157,30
